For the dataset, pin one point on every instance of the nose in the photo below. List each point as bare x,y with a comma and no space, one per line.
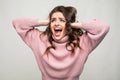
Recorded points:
57,23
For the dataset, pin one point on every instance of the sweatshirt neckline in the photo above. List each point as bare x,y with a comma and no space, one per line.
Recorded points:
63,40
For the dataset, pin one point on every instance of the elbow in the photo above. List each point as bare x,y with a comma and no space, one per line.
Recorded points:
106,28
15,23
18,23
102,28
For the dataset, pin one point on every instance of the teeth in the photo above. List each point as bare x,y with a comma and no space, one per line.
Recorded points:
58,29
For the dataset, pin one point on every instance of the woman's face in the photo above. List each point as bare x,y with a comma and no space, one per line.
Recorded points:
58,24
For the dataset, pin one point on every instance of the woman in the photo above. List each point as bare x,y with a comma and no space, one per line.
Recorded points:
62,49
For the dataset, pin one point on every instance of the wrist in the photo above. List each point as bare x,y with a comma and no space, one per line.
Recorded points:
43,22
76,24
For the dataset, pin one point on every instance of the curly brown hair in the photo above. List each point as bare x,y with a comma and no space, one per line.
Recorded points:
73,34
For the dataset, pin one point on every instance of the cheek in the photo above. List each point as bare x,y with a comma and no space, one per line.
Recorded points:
64,26
51,24
51,27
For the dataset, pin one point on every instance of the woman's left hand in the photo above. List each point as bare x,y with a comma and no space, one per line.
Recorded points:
76,24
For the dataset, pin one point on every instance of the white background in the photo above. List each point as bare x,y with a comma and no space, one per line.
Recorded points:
17,61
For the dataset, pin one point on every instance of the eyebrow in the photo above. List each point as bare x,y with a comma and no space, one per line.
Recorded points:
59,18
53,18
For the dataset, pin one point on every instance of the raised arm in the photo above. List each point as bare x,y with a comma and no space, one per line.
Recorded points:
25,27
95,31
28,23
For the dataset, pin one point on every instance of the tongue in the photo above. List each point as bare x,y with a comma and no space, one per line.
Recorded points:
57,33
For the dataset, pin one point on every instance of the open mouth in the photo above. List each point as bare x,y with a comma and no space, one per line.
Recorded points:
58,31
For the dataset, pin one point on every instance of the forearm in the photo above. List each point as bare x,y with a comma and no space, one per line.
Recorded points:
92,27
43,22
25,25
76,25
95,31
28,22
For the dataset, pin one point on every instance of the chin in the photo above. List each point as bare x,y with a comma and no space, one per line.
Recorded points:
57,38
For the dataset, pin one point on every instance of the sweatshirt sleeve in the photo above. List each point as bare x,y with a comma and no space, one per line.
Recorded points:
95,31
25,27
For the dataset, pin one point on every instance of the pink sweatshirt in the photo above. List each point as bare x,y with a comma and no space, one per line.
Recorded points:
59,65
